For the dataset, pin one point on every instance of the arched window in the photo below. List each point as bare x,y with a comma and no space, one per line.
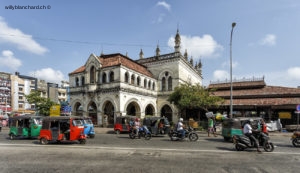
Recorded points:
92,74
104,78
149,84
145,83
170,83
163,84
77,81
138,81
111,76
132,79
82,80
126,77
153,86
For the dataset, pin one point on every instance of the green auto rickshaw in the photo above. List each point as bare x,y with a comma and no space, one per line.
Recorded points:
26,126
234,126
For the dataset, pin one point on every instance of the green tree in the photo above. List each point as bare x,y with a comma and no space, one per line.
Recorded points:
42,104
193,97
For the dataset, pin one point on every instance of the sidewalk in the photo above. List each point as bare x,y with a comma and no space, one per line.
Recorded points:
103,130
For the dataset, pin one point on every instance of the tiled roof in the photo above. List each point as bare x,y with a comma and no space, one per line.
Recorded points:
268,95
79,70
239,85
119,59
116,60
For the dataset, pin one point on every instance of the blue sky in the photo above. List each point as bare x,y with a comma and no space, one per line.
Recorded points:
50,43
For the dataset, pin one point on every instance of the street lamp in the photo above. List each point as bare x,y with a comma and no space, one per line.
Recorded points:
233,25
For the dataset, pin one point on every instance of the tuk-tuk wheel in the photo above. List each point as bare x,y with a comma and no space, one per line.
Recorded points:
82,141
118,132
43,141
227,139
92,136
12,136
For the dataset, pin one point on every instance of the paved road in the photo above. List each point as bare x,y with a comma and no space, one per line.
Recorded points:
117,153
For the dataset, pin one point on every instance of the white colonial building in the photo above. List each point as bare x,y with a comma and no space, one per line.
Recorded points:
108,86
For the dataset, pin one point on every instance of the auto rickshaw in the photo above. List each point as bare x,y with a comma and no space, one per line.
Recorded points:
62,128
157,125
234,126
122,123
89,129
26,126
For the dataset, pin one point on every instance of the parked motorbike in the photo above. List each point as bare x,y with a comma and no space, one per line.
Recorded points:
143,132
189,133
296,139
242,142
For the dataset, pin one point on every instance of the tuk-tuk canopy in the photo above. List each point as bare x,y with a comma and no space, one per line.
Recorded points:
239,122
124,119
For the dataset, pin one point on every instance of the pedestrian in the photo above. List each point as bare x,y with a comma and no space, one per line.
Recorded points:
0,125
215,128
137,126
210,128
263,126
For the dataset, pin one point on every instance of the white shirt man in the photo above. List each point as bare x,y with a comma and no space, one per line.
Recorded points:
247,128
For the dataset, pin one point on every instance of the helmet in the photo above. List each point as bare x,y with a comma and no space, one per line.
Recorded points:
180,119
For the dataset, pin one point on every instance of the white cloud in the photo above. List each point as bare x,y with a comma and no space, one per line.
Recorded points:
7,59
294,73
160,18
164,4
17,37
227,64
220,75
198,47
268,40
49,75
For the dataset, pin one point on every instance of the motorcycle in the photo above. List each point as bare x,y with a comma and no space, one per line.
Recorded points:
242,142
296,139
143,132
189,133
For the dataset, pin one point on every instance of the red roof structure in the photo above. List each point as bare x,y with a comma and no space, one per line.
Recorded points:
118,60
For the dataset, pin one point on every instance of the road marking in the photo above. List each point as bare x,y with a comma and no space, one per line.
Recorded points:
145,149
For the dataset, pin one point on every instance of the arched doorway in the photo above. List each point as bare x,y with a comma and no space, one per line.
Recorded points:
133,109
149,110
78,109
109,110
92,112
167,112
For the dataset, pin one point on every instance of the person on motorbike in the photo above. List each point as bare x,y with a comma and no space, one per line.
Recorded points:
264,127
247,130
180,128
137,125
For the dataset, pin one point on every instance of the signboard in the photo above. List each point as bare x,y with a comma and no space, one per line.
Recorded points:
285,115
298,108
55,110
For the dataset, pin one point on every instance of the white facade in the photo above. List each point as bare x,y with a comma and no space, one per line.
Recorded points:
114,85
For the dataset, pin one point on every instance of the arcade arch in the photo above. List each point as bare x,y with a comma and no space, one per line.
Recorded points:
108,110
133,109
92,112
150,110
167,111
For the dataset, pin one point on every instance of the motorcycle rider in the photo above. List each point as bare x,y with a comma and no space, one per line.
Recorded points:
137,126
247,130
180,128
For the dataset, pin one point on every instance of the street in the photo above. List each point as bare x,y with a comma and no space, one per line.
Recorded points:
118,153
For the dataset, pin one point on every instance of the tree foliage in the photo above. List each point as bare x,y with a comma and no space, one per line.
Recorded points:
42,104
194,96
